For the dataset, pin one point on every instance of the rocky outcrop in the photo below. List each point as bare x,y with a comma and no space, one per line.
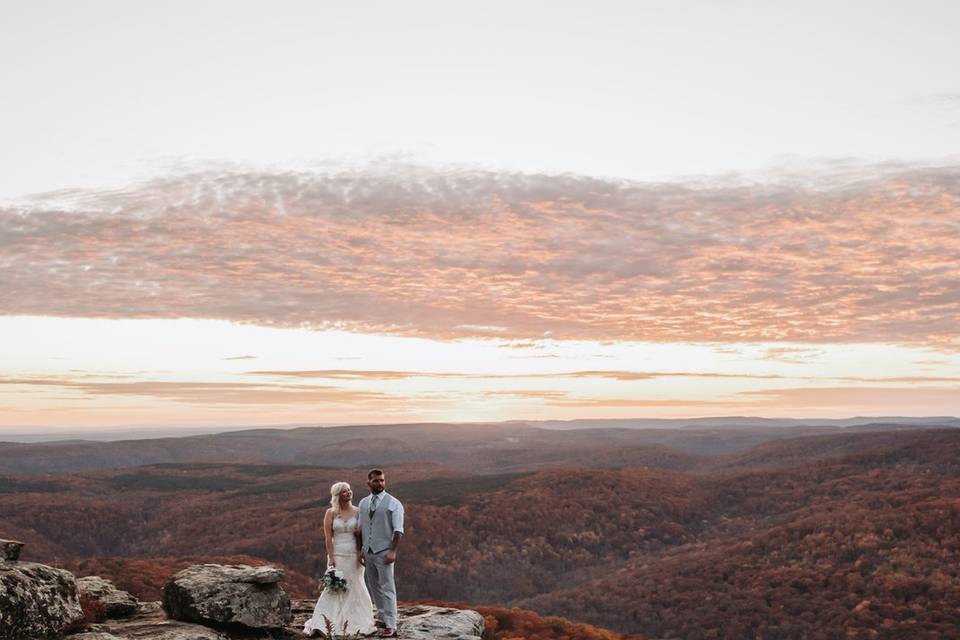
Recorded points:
203,602
116,603
10,550
223,595
417,622
36,601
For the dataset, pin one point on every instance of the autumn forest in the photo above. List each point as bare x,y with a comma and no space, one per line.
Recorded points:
731,532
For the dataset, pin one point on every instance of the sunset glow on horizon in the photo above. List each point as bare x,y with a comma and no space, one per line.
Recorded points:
186,376
468,284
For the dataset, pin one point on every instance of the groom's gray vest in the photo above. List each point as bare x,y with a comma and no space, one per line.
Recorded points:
377,531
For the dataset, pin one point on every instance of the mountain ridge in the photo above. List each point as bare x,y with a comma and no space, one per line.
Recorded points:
496,444
8,435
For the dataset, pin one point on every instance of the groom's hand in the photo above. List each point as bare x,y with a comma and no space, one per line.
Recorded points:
360,557
391,557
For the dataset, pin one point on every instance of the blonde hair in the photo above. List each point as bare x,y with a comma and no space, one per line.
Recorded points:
335,491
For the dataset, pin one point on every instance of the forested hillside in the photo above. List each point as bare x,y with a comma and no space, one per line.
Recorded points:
477,448
843,535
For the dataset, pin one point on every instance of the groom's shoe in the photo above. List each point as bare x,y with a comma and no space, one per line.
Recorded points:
388,633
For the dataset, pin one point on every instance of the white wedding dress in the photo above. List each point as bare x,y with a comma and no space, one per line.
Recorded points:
352,606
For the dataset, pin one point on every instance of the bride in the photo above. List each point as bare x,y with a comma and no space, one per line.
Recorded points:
353,606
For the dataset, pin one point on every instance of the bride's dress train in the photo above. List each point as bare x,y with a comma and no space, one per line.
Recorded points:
352,606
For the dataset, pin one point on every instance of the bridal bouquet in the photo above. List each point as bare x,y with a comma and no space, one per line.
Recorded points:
333,579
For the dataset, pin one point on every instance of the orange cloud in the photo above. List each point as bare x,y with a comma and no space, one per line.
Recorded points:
529,344
641,403
453,254
206,392
354,374
795,355
623,376
527,394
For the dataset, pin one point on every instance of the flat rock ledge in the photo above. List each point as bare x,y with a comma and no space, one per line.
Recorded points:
420,622
228,595
151,622
417,622
116,603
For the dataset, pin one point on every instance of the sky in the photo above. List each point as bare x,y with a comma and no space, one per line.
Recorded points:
228,214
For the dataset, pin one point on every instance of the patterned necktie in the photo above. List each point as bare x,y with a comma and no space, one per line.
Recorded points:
373,504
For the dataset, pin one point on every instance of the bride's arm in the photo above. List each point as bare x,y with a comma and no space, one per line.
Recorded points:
358,536
328,537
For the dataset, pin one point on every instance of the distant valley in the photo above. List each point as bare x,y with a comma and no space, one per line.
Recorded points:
705,531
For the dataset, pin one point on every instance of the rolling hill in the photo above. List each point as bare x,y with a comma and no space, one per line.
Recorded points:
848,534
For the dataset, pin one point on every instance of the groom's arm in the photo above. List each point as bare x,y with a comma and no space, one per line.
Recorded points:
396,519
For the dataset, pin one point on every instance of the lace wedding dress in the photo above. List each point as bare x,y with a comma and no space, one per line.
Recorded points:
352,606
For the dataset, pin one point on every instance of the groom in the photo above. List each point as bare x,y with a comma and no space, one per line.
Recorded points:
381,527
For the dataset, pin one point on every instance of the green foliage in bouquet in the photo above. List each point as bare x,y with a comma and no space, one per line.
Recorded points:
333,579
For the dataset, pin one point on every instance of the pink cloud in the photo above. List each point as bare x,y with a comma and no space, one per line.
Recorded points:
451,254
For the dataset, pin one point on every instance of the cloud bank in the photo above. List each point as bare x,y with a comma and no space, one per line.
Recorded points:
206,392
871,256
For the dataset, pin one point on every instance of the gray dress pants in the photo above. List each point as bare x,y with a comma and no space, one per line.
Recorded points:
379,577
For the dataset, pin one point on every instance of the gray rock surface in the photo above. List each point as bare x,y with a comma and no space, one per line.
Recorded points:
149,621
420,622
118,603
417,622
216,594
10,550
159,630
36,601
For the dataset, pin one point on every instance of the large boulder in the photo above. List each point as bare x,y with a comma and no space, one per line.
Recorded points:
116,603
36,601
222,595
